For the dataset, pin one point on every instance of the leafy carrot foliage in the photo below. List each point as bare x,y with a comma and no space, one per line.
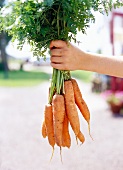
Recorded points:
38,22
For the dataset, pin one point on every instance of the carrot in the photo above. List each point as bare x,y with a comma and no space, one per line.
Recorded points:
44,131
66,140
58,107
81,103
81,137
49,124
71,109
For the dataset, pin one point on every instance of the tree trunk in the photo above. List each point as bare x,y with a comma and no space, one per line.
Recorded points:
4,62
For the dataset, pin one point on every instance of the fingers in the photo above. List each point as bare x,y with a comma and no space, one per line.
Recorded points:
58,44
55,59
58,66
56,52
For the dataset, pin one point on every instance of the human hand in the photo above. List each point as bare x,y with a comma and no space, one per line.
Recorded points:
65,56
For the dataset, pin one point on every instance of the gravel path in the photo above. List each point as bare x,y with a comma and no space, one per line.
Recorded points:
23,148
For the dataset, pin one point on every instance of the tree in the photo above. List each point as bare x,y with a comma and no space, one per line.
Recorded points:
4,39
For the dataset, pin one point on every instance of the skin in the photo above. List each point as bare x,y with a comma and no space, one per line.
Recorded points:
68,57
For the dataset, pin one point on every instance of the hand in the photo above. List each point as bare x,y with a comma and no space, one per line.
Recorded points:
65,56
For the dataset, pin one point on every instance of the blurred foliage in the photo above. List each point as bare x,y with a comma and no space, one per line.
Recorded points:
1,3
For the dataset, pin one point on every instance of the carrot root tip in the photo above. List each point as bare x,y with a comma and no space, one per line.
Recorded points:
52,154
90,131
76,140
61,154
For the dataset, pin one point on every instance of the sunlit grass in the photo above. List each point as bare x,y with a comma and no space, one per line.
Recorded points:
85,76
23,78
32,78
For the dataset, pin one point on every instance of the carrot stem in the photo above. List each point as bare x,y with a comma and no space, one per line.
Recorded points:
57,82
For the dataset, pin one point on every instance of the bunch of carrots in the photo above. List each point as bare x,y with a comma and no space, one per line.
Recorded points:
61,112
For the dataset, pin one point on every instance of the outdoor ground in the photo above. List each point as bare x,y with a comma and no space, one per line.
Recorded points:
23,148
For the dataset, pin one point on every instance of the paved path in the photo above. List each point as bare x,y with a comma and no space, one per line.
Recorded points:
23,148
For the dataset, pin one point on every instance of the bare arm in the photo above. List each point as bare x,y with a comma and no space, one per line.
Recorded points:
69,57
109,65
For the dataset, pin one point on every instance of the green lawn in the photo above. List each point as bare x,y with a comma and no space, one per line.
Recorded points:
85,76
31,78
23,78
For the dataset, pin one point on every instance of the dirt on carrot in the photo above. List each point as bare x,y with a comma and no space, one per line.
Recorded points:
58,108
81,103
49,124
66,139
62,112
44,131
71,109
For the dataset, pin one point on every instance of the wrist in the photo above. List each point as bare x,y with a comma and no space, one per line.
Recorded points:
87,62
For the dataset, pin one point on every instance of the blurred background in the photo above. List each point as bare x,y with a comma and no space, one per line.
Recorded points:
24,85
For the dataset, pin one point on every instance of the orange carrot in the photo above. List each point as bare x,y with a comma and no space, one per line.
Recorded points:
58,107
49,124
81,137
66,140
81,103
71,109
44,131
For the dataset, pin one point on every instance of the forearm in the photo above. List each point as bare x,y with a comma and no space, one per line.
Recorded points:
66,57
112,66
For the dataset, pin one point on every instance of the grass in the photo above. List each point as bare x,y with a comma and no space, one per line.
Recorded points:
32,78
23,78
85,76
